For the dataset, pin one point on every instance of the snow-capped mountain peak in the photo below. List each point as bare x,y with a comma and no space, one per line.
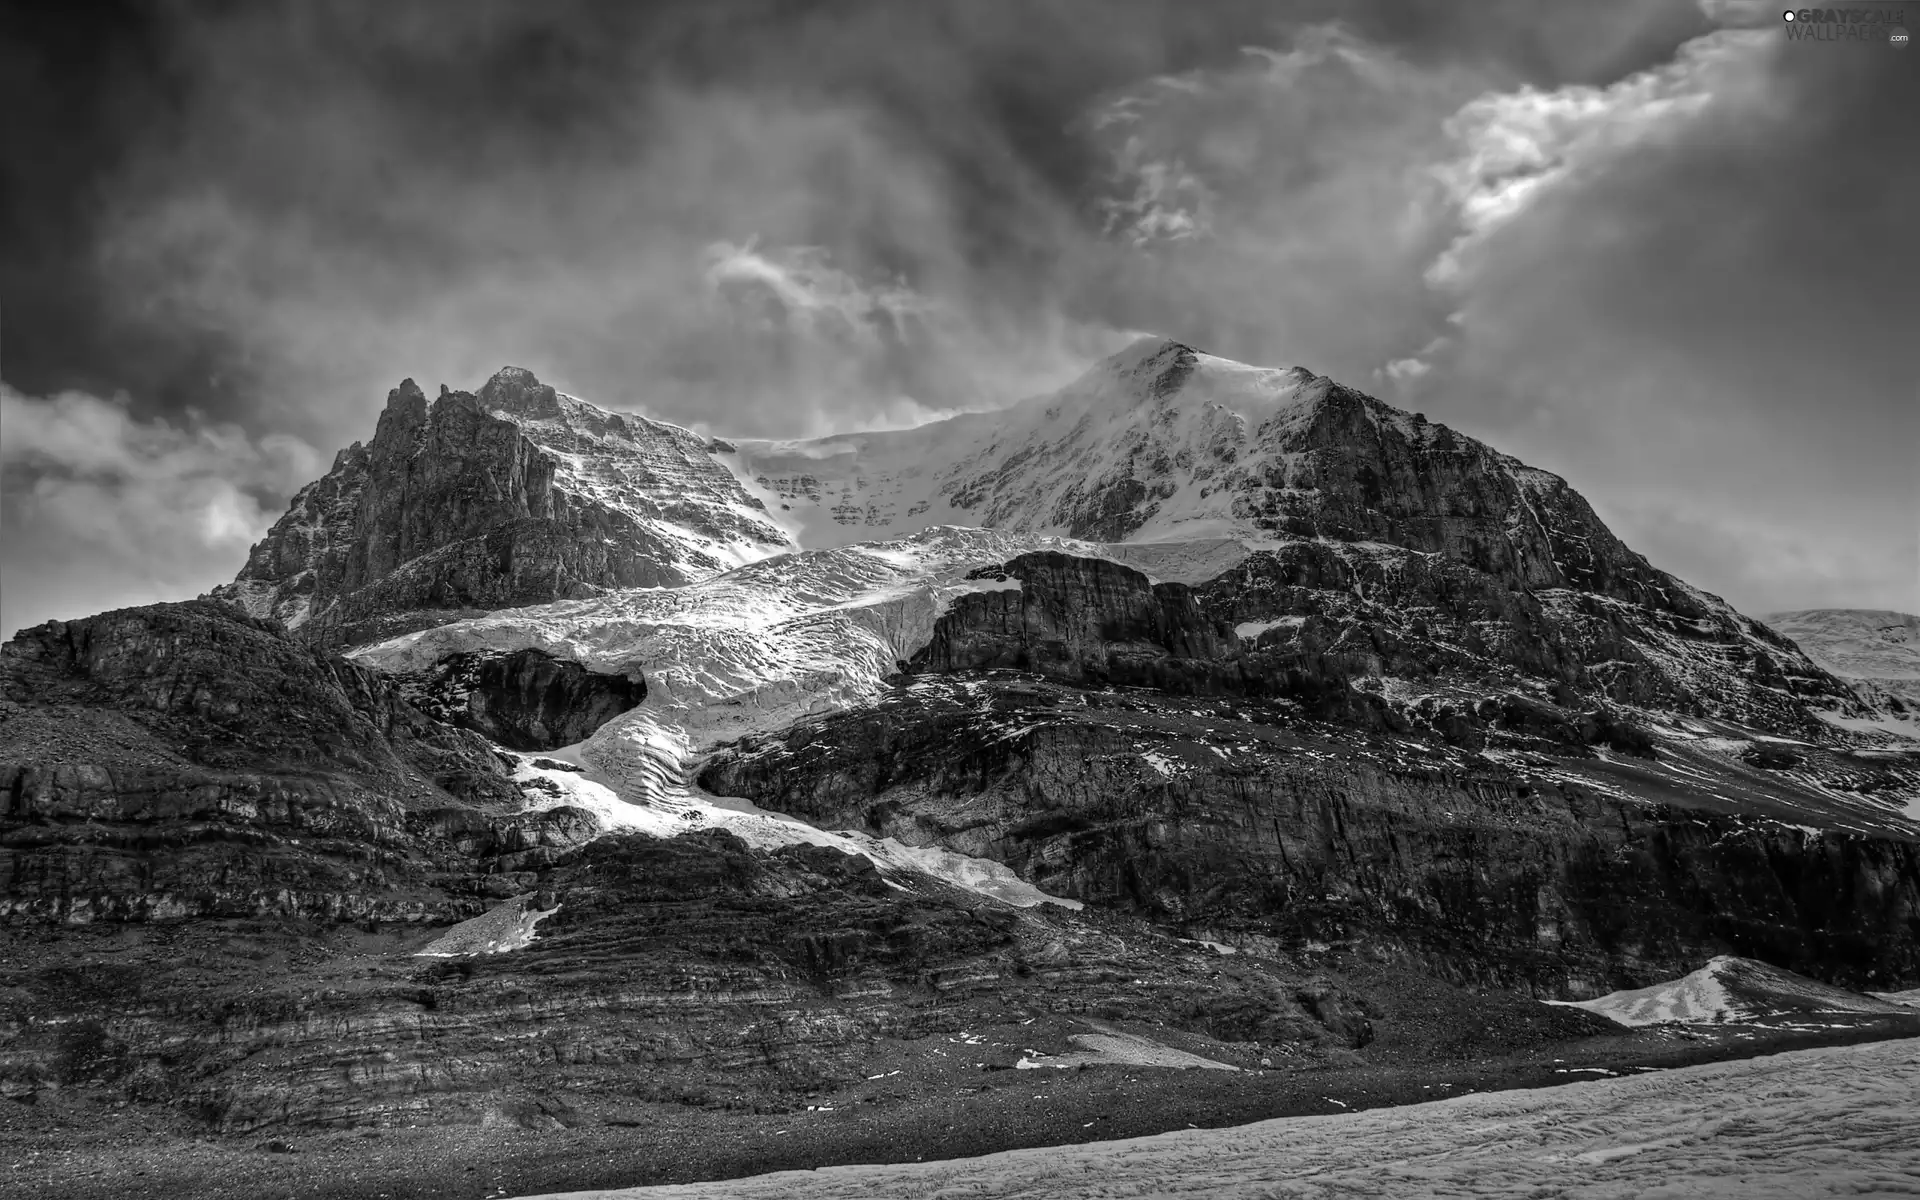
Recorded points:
1146,445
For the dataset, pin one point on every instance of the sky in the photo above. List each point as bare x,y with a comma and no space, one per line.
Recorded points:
1654,246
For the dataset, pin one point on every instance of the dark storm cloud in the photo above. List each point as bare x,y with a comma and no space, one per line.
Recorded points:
303,201
785,218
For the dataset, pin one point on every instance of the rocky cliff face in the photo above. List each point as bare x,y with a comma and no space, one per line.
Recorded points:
1418,633
689,970
515,495
1390,751
1251,823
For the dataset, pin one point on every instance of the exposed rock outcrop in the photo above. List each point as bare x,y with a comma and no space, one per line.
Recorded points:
524,700
186,759
1311,620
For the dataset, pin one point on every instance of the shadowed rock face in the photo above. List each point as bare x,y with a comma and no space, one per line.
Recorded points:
185,759
1308,621
525,700
1237,821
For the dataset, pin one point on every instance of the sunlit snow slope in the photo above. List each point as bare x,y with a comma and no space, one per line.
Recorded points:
1143,447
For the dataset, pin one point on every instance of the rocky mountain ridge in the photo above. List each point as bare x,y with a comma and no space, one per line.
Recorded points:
512,495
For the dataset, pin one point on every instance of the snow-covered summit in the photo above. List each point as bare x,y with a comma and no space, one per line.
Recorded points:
1143,446
1162,443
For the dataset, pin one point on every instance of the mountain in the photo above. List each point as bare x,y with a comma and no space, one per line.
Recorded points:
545,761
1877,651
512,495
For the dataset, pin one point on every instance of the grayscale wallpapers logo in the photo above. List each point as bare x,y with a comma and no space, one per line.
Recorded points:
1876,24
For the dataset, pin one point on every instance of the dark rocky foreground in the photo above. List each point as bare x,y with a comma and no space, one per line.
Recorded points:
1226,758
936,1108
222,849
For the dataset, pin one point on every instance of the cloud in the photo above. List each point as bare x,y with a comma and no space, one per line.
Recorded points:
349,203
1284,204
1514,146
1684,291
778,324
100,506
1741,14
1778,567
1579,231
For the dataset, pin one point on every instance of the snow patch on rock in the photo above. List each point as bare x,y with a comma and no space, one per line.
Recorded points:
506,926
1730,990
1250,630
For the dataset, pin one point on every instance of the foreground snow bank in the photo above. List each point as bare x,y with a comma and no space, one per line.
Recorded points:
1828,1122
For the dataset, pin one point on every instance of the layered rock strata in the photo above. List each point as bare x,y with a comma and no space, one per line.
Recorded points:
1247,821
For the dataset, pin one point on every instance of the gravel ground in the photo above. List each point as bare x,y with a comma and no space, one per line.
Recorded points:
1825,1122
949,1108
